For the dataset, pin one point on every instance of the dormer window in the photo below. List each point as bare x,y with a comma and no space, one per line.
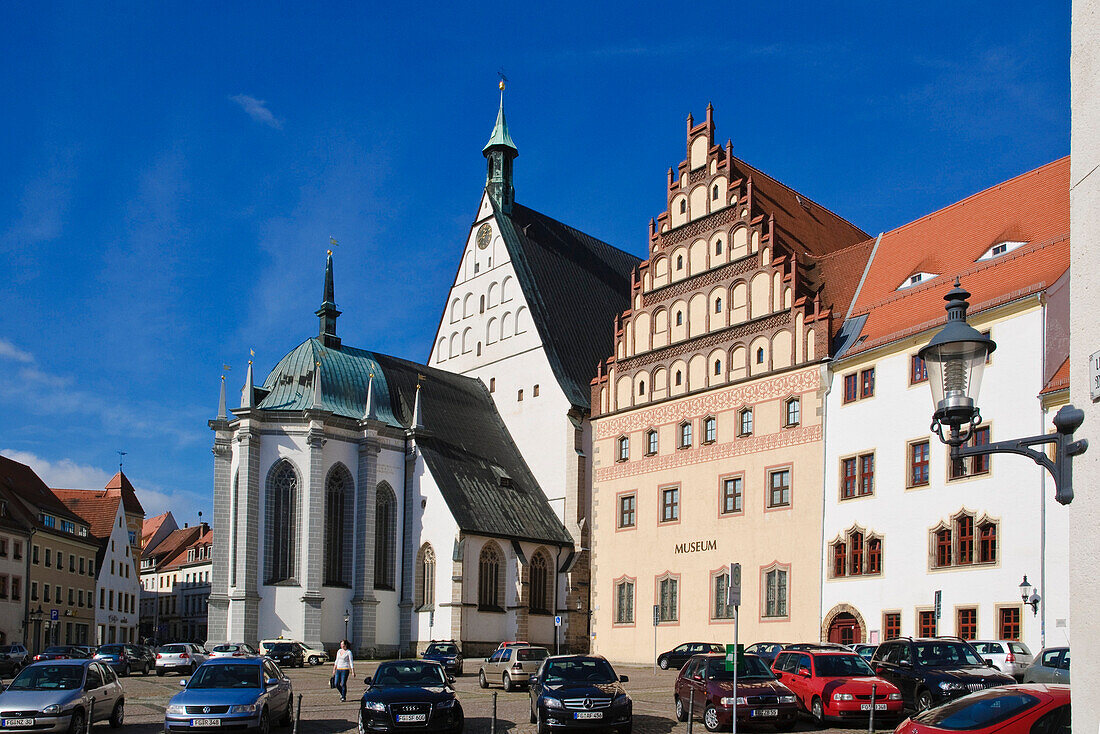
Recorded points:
1001,248
915,278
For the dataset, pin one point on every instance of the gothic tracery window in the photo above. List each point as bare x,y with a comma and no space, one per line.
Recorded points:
385,540
281,548
338,552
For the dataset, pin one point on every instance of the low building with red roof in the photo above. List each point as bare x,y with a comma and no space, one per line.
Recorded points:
162,580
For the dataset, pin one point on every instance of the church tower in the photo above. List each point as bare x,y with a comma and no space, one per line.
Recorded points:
499,153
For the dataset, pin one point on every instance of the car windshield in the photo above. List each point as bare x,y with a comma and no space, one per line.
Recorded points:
49,678
442,648
409,674
57,649
946,653
284,647
226,676
173,649
589,670
754,667
532,653
978,711
110,650
833,666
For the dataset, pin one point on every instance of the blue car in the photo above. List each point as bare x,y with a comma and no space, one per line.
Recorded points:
446,654
232,694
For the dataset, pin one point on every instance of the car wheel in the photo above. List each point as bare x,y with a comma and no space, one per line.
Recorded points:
313,660
460,724
76,723
506,681
288,715
681,710
817,711
924,700
126,671
663,663
481,679
117,715
362,726
541,727
710,718
265,724
160,672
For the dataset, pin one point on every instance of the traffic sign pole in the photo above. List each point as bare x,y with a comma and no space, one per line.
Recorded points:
733,592
656,619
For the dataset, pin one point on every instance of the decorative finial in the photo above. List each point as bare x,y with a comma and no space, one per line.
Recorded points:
332,241
330,253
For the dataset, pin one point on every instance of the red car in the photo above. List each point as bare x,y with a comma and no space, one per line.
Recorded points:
705,682
835,684
1029,707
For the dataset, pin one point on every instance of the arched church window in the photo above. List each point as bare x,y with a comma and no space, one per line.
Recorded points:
714,193
425,577
540,584
718,305
679,262
490,582
281,523
338,514
385,540
679,378
679,318
718,247
760,355
683,206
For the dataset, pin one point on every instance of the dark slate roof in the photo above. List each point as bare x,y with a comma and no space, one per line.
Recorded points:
575,286
465,444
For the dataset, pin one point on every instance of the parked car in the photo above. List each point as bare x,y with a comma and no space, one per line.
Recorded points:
1016,708
836,685
312,655
579,692
706,682
865,651
1051,666
232,693
932,671
9,665
180,657
89,650
816,646
16,653
62,652
146,654
511,666
58,696
124,659
410,693
447,654
1008,656
287,654
766,651
513,643
233,650
677,656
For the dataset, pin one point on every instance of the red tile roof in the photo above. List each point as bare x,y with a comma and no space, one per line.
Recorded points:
97,508
27,485
121,485
172,545
1059,381
1032,208
150,526
181,558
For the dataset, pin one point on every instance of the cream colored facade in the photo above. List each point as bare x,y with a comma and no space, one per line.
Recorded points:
62,578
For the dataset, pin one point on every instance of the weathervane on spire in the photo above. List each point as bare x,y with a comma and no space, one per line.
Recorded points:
120,455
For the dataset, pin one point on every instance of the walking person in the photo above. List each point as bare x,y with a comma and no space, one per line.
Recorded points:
342,667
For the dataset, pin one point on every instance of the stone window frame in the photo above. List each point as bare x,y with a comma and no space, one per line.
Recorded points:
775,566
631,581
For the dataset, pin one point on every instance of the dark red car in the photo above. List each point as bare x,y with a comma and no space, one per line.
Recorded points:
706,683
834,684
1028,707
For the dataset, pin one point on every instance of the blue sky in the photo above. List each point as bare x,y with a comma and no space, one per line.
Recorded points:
172,172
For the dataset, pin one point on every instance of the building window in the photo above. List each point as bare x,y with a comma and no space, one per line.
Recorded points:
721,609
641,387
926,623
669,599
874,556
670,504
987,549
627,510
710,429
891,625
966,623
718,247
651,442
1008,623
281,554
519,395
918,370
385,537
535,391
718,305
732,495
540,582
680,258
714,193
867,383
679,318
760,355
840,559
744,422
974,465
492,384
943,547
717,367
793,411
779,488
622,449
685,435
856,540
624,602
964,532
679,378
490,581
918,464
683,206
850,388
775,592
857,476
338,518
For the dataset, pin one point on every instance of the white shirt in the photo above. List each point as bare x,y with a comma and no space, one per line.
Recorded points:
343,659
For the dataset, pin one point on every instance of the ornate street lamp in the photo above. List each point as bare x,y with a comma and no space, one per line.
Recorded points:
347,616
956,359
1030,597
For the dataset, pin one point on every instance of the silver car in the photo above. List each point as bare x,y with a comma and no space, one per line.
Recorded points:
1008,656
60,696
1051,666
181,657
233,650
511,666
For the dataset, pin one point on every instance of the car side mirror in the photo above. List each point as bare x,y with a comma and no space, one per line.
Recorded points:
904,664
989,662
624,678
697,676
804,672
183,682
272,682
367,681
450,679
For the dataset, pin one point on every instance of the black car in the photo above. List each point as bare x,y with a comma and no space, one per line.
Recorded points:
62,652
287,654
579,692
410,693
766,651
677,656
446,654
931,671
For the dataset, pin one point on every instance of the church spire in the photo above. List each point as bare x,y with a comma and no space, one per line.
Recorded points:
499,152
221,402
247,396
328,311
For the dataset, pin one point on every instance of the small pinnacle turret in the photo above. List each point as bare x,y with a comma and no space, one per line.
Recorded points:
499,152
328,312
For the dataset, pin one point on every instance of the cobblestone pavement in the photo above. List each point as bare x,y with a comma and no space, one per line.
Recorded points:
322,712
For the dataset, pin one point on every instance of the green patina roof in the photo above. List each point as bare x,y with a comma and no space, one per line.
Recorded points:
500,135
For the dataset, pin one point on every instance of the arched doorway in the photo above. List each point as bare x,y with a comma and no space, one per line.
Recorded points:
845,629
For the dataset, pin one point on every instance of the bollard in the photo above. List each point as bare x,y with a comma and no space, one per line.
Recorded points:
493,723
88,717
871,723
691,709
297,713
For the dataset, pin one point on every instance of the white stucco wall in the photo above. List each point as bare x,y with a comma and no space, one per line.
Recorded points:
123,580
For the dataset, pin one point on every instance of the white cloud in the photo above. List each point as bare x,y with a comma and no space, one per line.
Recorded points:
257,110
10,351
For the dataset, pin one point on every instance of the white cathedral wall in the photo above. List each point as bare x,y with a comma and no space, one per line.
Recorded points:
280,611
434,524
338,599
391,469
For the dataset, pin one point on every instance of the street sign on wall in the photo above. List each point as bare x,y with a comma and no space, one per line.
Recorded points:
734,592
939,605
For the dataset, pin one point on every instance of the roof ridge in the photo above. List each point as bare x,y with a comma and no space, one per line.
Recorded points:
571,228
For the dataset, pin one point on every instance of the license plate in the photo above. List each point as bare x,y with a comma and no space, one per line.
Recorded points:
867,707
589,714
17,722
766,712
206,722
402,718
